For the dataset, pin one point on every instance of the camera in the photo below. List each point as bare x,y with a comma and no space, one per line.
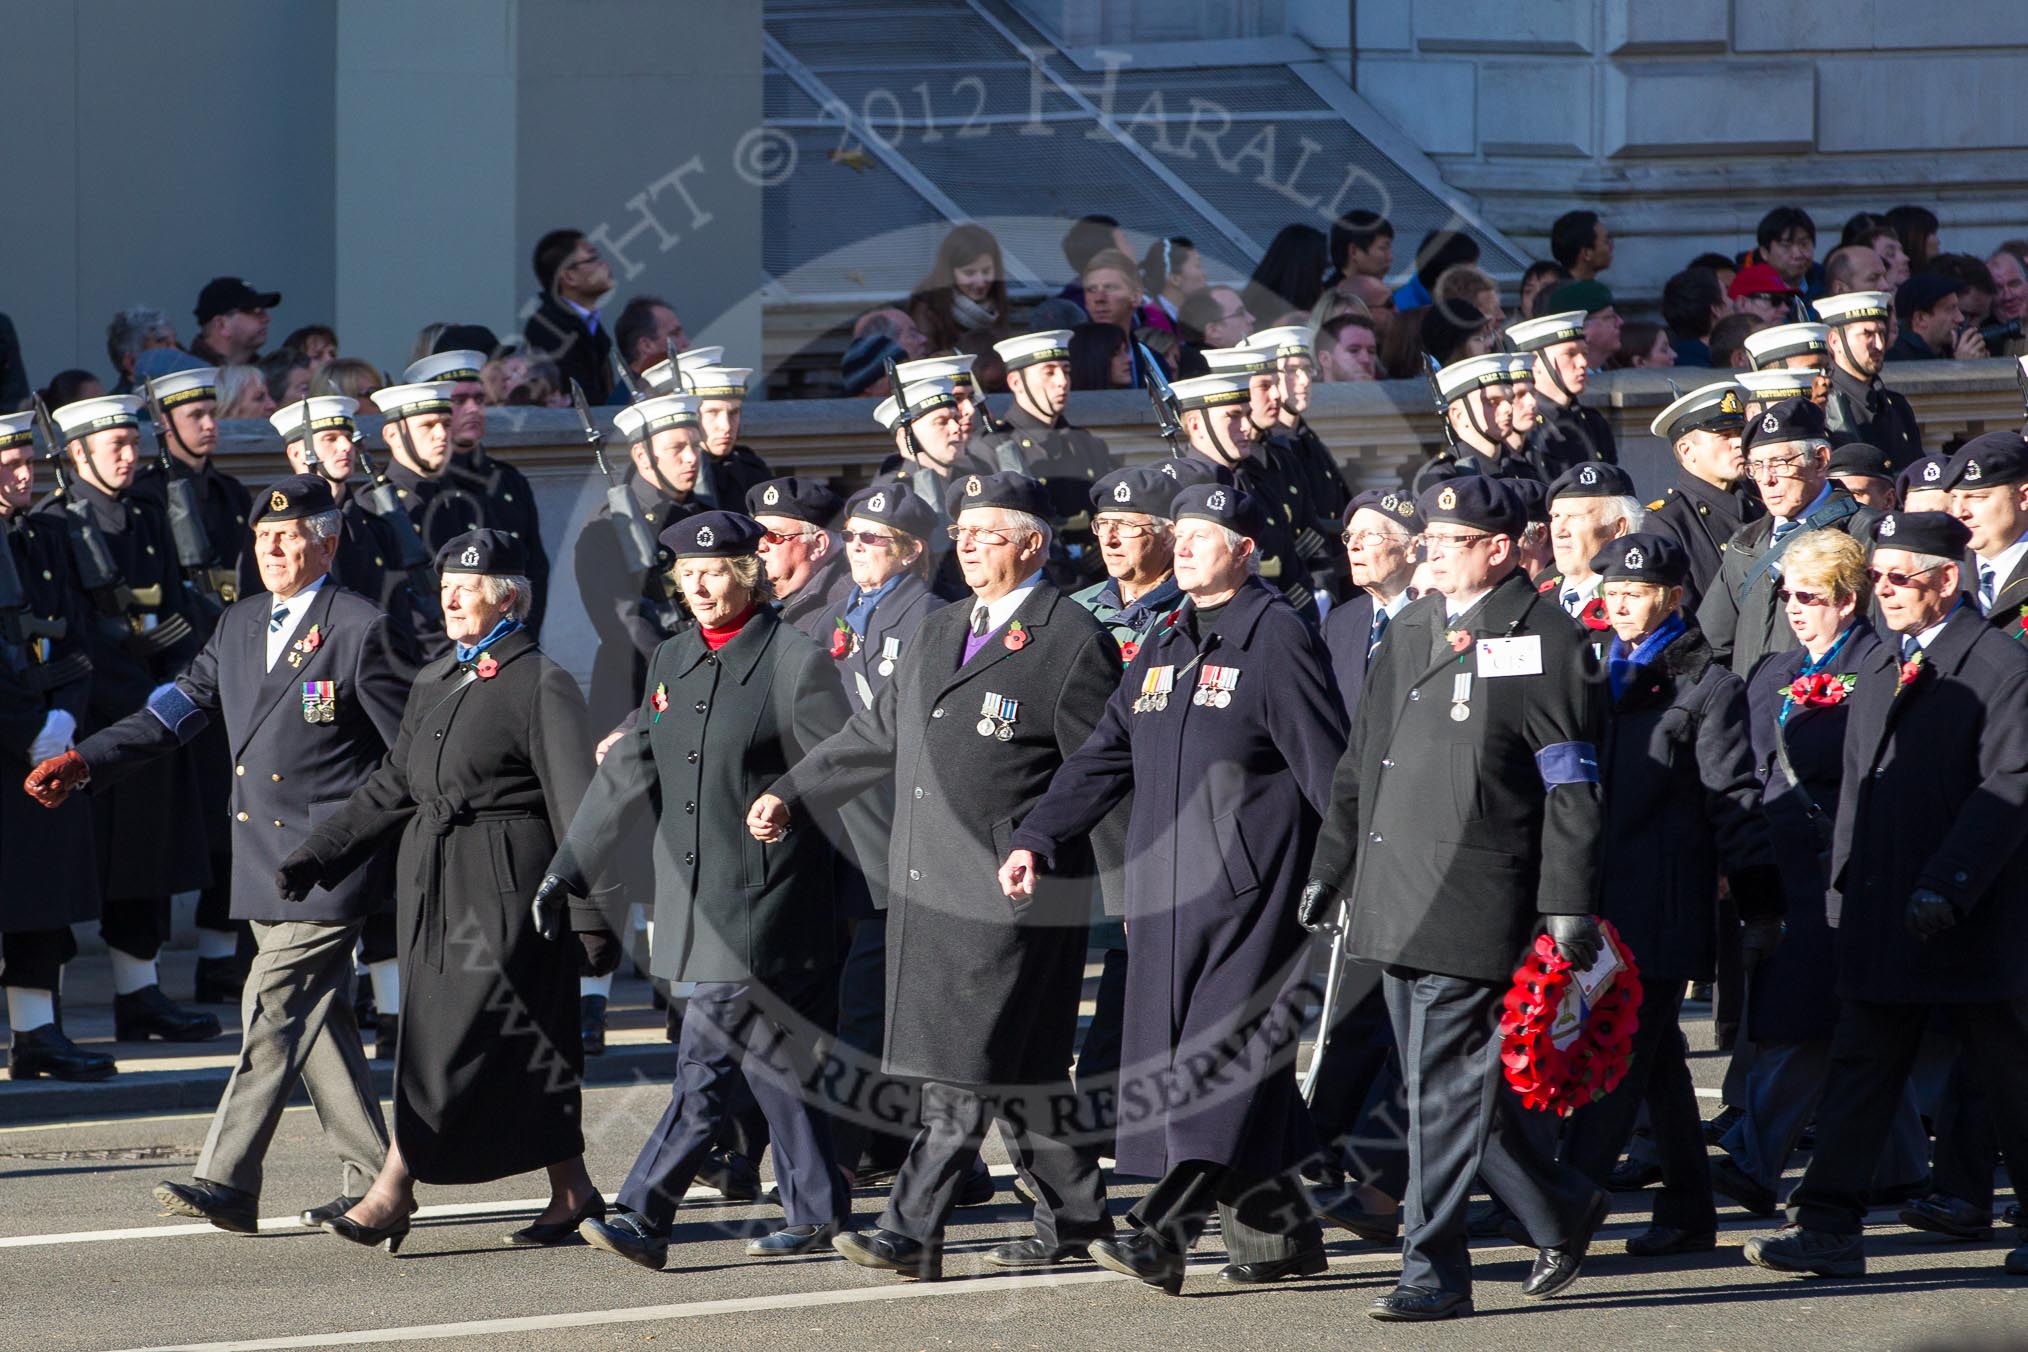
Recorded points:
1996,334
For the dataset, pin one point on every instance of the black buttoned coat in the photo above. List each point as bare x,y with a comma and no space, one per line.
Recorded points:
1936,796
977,991
1226,802
1702,518
1443,832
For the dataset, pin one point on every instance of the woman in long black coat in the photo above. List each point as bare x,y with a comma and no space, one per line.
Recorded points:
492,759
1798,711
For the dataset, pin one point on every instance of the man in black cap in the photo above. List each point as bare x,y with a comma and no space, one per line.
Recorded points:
1866,473
302,677
1860,407
1927,306
232,322
1920,484
1673,821
983,710
1988,479
1465,815
1926,863
1788,453
1713,495
804,556
1589,504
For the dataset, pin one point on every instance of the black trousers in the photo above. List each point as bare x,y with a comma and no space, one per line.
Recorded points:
34,959
1070,1201
137,926
860,1092
1359,1107
1098,1056
1967,1147
1658,1078
729,1027
376,940
1872,1051
1463,1123
1262,1219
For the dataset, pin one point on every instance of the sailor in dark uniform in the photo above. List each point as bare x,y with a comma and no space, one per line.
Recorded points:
1795,347
1762,390
1713,495
1567,431
805,557
973,415
728,470
1064,459
1316,489
417,430
931,456
1476,394
1860,408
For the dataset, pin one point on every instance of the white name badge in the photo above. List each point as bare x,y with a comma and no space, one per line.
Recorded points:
1510,656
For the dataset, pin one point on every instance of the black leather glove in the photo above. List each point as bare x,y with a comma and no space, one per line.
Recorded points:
1759,936
1317,911
1577,938
549,907
300,872
1930,913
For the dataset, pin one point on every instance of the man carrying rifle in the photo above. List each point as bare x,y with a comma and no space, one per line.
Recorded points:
1066,460
923,416
150,830
1316,497
729,470
48,876
208,511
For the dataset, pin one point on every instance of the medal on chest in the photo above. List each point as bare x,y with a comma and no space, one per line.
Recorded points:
1215,686
1461,697
996,717
320,701
890,651
1156,683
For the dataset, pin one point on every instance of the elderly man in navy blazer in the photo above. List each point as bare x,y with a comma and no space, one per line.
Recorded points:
303,677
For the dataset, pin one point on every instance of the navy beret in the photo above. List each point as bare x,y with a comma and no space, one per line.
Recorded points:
1642,557
1474,500
1012,492
294,498
1229,507
1592,479
1190,469
1534,495
493,553
1937,533
713,535
1988,459
1789,420
893,504
1141,488
1928,472
808,500
1858,458
1392,503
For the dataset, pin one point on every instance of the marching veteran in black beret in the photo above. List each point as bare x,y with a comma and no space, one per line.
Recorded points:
1226,729
1682,804
493,755
303,677
727,707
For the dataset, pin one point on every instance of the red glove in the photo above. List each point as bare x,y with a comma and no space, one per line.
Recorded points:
51,782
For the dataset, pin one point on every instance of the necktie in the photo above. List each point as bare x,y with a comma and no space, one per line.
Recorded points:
1570,599
1986,580
979,622
1910,648
1380,618
1784,529
276,620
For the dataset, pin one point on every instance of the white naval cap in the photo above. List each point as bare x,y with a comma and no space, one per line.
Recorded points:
917,398
457,365
1460,378
1776,384
956,368
1029,349
665,376
1715,407
1216,390
326,412
638,422
1532,335
17,429
1783,341
408,401
1852,307
186,386
85,416
1286,340
1249,361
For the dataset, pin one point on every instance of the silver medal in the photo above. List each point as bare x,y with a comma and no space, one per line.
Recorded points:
985,727
886,667
1006,732
1222,698
1460,712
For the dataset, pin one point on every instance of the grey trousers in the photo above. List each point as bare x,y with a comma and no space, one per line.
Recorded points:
296,1016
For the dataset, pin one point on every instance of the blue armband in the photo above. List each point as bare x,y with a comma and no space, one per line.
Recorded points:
176,711
1567,763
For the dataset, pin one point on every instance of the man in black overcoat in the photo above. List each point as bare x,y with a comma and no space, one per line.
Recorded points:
981,995
1465,816
301,676
1713,495
1926,863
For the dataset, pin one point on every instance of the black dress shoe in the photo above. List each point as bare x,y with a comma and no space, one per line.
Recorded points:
1308,1263
1034,1253
219,981
1407,1304
2017,1261
389,1236
1631,1175
1555,1269
1659,1240
886,1251
792,1241
331,1210
1340,1206
1143,1257
591,1023
732,1173
46,1051
543,1234
2012,1215
1897,1194
1716,1127
979,1187
227,1208
386,1036
1942,1215
147,1013
1801,1252
628,1234
1729,1180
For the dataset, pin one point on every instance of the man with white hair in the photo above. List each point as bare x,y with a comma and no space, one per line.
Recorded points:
302,676
1589,504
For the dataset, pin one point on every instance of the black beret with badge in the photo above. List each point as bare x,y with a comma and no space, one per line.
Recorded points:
1592,479
1789,420
808,500
1476,501
1139,488
1935,533
487,552
1856,459
1925,473
1187,470
713,535
1986,460
1392,503
1642,557
1228,507
892,504
1534,495
293,498
1007,491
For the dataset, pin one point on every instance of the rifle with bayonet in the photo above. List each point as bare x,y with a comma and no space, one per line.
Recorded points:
383,501
638,551
632,386
1168,415
988,424
1436,398
186,516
